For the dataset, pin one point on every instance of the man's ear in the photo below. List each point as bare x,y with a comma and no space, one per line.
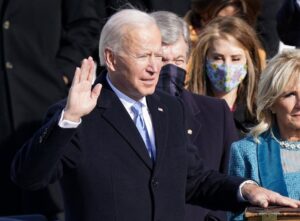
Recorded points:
110,59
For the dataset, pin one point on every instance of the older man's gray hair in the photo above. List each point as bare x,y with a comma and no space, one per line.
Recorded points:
171,27
114,31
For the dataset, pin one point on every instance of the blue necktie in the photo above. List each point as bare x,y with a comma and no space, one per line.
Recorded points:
142,128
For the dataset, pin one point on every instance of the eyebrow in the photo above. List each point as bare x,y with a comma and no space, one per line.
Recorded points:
219,54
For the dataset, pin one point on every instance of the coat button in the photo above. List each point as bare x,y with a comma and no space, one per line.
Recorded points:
8,65
40,139
6,25
154,183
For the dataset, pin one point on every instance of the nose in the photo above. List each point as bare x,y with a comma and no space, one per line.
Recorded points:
227,62
154,64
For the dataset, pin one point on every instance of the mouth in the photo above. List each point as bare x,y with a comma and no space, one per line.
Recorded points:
149,81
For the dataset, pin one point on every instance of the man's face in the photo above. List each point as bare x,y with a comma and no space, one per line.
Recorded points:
135,69
176,53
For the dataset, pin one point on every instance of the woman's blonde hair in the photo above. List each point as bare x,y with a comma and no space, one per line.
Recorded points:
225,28
282,72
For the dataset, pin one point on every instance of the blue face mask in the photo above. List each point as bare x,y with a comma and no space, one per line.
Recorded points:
225,78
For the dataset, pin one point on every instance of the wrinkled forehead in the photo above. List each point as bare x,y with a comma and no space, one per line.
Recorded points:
141,38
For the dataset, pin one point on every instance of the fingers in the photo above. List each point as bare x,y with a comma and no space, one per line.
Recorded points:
264,203
270,197
76,76
262,197
84,70
92,70
260,200
285,201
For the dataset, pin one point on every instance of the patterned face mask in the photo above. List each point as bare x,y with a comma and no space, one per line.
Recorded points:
225,78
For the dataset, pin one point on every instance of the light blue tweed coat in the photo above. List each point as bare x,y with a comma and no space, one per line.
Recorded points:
244,163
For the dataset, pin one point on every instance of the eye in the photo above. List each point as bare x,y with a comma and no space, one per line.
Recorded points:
179,61
165,60
159,57
236,59
288,94
218,58
142,56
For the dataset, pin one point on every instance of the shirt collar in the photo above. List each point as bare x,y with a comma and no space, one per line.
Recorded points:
126,101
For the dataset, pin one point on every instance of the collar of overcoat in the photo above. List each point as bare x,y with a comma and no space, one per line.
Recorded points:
115,113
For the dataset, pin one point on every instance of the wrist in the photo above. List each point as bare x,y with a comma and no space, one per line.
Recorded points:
246,188
67,115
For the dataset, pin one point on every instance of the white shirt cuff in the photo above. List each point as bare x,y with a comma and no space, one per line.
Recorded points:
67,123
240,195
298,2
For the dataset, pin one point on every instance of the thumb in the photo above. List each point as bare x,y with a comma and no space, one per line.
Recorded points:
96,91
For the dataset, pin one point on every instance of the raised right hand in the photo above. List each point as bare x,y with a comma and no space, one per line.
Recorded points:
82,98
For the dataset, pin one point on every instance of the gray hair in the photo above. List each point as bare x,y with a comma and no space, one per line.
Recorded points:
115,29
281,72
172,27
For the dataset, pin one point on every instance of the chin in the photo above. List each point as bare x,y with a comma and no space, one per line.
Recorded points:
148,91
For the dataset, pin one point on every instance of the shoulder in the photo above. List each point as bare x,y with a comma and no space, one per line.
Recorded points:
165,98
203,101
173,105
244,147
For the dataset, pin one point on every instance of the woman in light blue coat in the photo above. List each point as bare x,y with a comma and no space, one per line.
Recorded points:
270,155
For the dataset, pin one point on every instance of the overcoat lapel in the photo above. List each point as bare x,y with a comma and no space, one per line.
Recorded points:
159,118
115,113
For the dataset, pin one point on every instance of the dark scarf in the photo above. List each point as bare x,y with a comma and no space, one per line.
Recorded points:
171,79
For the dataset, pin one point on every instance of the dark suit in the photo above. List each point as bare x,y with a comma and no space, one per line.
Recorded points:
288,23
40,41
105,170
266,26
213,131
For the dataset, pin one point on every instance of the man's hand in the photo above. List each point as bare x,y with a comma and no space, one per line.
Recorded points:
82,99
262,197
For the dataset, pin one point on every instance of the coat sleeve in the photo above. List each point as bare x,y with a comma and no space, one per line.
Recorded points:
80,34
42,159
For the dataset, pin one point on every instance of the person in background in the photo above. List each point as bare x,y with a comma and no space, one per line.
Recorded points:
259,14
225,64
288,23
203,11
41,43
270,155
119,149
266,26
210,123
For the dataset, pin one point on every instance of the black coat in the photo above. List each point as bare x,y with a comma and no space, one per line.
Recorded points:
213,131
40,41
105,170
288,23
266,26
